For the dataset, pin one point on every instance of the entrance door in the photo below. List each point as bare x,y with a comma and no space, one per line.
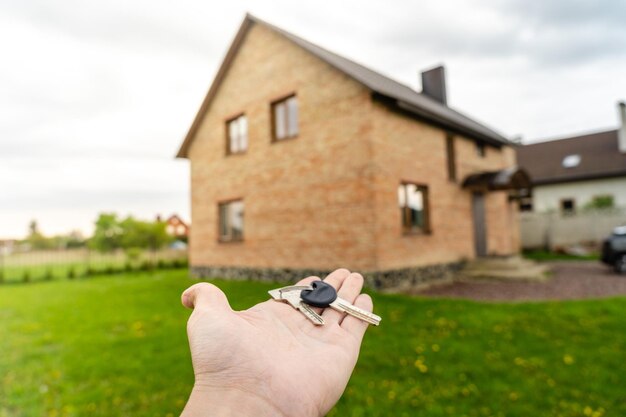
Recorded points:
480,225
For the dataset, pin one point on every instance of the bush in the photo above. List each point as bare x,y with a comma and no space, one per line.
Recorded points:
1,276
146,266
110,270
89,271
48,276
162,264
179,263
26,276
128,266
71,273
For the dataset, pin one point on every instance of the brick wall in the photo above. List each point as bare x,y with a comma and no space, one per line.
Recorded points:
306,202
328,198
408,150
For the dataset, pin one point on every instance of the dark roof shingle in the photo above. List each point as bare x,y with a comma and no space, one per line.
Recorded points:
599,158
404,96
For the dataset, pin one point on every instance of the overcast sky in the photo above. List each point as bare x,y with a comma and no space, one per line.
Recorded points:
96,96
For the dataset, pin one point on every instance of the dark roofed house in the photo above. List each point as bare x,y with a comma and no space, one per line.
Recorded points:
578,171
303,161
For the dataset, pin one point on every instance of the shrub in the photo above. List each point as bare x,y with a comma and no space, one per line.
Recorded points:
89,271
1,276
48,276
71,273
110,270
146,266
128,266
26,276
180,263
162,264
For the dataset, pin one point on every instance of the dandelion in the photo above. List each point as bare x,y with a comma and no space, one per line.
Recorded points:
435,348
421,366
568,359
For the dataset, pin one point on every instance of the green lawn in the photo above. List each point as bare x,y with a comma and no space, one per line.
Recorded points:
116,346
545,256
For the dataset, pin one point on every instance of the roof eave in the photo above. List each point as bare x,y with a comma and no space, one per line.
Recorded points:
493,140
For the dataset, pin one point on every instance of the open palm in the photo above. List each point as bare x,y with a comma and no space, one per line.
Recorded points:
270,359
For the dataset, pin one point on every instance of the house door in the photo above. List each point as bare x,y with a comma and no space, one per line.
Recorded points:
480,225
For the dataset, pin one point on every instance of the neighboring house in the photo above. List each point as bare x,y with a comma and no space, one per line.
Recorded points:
577,172
7,246
175,226
303,161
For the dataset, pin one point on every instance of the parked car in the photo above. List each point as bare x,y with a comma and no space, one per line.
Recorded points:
614,250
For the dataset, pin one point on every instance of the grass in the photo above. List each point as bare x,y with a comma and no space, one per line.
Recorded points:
544,256
116,346
72,263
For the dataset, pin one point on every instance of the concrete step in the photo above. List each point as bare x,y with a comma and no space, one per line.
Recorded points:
512,268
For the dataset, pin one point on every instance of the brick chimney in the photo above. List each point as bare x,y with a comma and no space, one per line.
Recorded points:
621,133
434,84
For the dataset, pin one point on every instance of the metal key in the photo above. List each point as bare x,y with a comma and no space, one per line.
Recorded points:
324,295
291,295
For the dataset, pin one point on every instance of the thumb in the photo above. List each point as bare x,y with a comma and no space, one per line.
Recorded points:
205,296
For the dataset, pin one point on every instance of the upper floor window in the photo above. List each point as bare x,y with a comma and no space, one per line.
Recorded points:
231,221
481,149
237,135
285,118
413,203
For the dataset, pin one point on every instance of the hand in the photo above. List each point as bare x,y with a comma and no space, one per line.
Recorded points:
270,360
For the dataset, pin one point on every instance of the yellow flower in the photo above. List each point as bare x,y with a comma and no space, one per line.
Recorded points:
435,348
421,366
568,359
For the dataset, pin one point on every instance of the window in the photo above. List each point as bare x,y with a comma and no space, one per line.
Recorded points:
231,221
526,204
451,157
481,150
413,203
285,118
571,161
568,206
237,135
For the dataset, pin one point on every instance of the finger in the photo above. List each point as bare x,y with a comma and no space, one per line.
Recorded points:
307,280
349,290
205,296
354,326
337,277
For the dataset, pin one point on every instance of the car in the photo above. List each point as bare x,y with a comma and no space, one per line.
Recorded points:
614,250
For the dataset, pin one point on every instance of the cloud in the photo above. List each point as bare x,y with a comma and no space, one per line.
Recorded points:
97,96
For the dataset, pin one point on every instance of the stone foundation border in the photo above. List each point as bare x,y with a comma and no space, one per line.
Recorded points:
395,279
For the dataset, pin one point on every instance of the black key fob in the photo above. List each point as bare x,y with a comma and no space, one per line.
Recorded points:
321,295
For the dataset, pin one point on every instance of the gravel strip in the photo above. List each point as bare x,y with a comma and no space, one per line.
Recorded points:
570,281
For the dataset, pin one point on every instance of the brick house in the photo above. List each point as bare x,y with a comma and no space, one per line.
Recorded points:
176,227
335,165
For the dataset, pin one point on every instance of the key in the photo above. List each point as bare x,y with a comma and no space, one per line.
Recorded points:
324,295
291,295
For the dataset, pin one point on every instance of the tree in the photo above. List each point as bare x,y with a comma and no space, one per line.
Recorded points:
111,234
142,234
108,233
36,239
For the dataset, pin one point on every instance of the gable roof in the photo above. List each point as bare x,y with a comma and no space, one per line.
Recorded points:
402,96
599,158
